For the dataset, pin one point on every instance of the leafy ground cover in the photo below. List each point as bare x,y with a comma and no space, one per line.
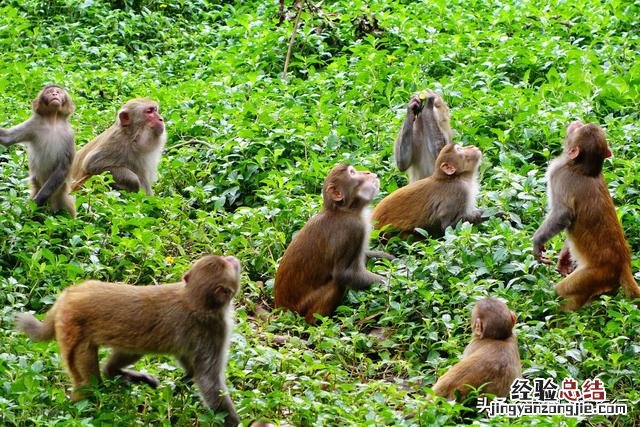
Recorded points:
513,73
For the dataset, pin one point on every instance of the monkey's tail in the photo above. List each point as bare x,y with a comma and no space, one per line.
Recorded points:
35,329
631,289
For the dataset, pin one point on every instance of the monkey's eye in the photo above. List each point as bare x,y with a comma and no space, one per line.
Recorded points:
352,171
150,110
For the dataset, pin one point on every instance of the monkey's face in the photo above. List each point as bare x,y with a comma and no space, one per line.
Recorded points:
54,96
457,160
471,155
152,118
53,99
347,188
366,185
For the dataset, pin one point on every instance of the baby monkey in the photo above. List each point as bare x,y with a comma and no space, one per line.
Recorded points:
50,147
191,320
491,359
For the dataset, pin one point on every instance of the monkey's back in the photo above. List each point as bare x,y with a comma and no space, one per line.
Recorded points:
78,171
307,263
118,315
421,204
495,363
596,228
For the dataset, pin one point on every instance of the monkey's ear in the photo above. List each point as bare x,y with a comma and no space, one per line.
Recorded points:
335,194
478,328
513,318
607,153
187,276
573,152
448,168
125,120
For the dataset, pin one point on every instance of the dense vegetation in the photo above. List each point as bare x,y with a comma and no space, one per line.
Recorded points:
514,75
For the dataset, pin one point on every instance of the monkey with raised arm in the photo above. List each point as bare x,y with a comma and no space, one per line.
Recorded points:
580,203
50,147
426,129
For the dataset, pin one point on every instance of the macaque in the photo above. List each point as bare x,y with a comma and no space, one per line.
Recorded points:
580,204
130,149
327,256
50,147
492,358
425,131
437,202
191,320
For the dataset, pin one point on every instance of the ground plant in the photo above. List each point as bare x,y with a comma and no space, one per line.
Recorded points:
253,146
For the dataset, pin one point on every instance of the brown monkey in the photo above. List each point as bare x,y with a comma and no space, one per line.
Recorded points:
491,359
327,256
191,320
580,204
50,147
436,202
130,149
425,131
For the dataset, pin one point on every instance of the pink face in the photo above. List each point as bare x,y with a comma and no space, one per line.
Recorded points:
573,126
233,261
54,96
153,119
368,183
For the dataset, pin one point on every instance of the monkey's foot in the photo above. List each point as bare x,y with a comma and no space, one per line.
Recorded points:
130,376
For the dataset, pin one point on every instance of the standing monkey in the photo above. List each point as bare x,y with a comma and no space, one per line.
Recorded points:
425,131
327,256
580,204
439,201
130,149
50,147
491,359
191,320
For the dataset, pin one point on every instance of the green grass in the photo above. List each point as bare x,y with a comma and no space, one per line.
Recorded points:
514,75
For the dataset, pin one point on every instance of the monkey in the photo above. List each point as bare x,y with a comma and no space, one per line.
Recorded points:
426,129
50,147
130,149
191,320
581,204
327,256
436,202
491,359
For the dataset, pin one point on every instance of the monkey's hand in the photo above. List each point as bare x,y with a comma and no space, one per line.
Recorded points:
415,105
538,251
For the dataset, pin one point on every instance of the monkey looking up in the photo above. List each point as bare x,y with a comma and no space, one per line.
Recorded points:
191,320
50,147
425,131
579,203
437,202
327,256
130,149
492,358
